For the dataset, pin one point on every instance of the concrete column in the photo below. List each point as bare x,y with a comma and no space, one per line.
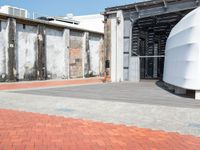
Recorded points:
127,47
41,54
101,57
11,51
120,46
66,37
197,94
3,50
180,91
107,46
86,55
117,46
113,63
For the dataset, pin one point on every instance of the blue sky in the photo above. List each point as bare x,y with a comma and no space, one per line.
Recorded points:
62,7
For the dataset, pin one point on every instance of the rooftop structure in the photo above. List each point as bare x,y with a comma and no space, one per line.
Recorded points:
87,22
15,11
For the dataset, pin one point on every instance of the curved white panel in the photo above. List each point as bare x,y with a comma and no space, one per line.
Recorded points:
182,55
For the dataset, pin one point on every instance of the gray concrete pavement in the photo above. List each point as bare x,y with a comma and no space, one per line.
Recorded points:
184,120
142,93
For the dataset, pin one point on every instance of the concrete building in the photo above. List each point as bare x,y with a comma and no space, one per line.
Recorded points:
136,35
40,50
92,22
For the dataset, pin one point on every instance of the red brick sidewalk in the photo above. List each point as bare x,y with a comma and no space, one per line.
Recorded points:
48,83
21,130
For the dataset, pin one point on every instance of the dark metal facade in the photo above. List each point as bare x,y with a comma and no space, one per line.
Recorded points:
146,28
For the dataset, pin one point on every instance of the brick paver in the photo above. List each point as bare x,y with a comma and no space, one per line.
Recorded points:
22,130
48,83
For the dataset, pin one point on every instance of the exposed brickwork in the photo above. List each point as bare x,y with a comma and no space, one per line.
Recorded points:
20,130
75,54
76,68
38,84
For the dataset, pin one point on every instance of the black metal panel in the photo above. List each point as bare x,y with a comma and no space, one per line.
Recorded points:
149,37
147,11
151,68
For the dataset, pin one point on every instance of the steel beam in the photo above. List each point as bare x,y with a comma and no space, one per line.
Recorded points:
160,10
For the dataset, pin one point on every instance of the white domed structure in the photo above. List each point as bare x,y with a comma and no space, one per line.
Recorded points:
182,58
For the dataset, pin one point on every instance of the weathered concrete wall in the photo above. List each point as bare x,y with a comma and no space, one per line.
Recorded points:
3,50
127,47
76,54
117,46
55,54
95,49
120,46
41,64
86,55
107,46
26,47
31,50
113,58
11,60
101,57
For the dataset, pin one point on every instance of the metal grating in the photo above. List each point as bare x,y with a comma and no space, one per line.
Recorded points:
149,36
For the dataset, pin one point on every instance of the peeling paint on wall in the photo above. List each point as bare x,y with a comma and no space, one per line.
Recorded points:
39,51
11,51
76,49
94,48
107,45
41,63
56,53
3,49
26,51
